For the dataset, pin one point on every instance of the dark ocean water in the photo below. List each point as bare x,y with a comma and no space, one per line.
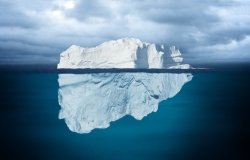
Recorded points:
208,119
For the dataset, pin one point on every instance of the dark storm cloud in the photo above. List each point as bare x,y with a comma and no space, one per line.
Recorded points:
188,18
38,31
226,35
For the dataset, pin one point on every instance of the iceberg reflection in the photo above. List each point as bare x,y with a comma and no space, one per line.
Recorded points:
93,100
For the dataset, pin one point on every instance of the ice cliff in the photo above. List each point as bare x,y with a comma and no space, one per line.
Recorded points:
122,53
93,100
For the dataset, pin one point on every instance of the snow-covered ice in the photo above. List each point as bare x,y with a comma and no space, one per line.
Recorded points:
90,101
122,53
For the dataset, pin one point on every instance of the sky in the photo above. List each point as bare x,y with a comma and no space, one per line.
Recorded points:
205,31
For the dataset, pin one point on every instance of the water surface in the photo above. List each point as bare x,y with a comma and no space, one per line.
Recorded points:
207,119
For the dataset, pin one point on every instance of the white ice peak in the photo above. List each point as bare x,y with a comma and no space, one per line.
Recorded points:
122,53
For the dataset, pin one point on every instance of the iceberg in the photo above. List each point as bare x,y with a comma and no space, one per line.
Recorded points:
93,100
122,53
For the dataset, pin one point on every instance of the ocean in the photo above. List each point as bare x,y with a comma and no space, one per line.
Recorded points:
208,119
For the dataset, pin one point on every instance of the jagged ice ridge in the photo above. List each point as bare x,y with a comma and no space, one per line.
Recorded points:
122,53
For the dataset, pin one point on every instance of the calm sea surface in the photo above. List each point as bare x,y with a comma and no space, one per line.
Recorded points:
208,119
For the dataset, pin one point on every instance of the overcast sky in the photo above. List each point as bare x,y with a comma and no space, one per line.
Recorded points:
36,31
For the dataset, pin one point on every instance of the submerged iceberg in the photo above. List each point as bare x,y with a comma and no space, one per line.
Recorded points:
122,53
93,100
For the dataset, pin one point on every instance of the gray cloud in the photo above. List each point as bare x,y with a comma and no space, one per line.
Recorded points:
182,13
12,17
89,9
32,32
